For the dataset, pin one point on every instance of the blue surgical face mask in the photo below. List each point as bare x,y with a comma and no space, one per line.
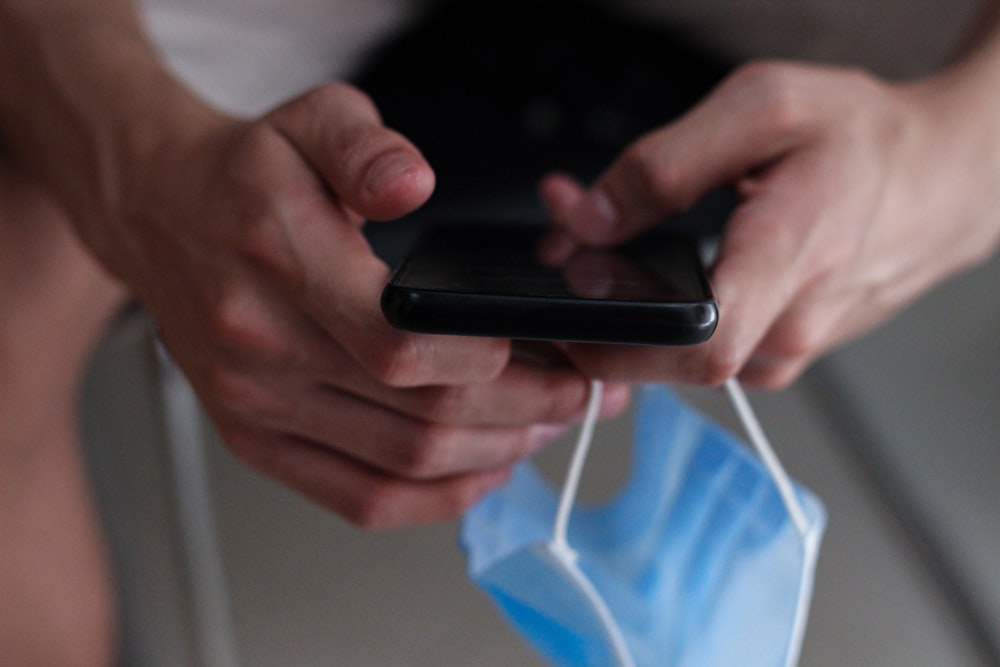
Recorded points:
704,559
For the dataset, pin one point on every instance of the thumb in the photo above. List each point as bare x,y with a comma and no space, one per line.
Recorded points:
372,170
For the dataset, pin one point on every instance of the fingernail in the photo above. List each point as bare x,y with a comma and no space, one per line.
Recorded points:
596,216
387,168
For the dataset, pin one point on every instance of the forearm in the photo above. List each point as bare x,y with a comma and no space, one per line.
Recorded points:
965,94
970,90
82,95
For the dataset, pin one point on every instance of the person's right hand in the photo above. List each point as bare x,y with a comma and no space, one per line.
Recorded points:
243,239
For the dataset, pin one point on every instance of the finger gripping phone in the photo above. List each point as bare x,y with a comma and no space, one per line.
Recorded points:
514,281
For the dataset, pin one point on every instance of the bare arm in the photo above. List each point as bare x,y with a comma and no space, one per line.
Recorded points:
81,93
242,237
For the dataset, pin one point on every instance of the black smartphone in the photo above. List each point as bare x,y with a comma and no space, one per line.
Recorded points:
518,281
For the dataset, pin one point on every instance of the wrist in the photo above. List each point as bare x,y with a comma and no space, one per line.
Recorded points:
961,105
85,104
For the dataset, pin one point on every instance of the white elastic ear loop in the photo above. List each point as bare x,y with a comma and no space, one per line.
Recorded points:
560,548
766,453
572,481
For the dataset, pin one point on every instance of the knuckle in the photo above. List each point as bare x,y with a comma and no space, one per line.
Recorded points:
562,400
388,503
669,188
354,145
237,323
861,81
400,364
379,508
775,92
335,94
594,364
652,172
246,152
774,379
794,244
446,404
313,109
798,339
254,161
407,360
237,394
490,360
607,364
720,364
261,238
355,137
639,159
228,319
255,208
427,454
758,74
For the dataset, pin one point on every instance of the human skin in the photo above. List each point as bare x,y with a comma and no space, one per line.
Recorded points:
56,603
242,238
856,195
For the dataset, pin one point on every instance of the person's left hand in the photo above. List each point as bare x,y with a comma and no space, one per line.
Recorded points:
856,197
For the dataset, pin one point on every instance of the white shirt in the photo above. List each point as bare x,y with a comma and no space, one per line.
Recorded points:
248,55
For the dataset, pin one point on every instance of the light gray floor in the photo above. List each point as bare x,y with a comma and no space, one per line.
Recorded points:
898,434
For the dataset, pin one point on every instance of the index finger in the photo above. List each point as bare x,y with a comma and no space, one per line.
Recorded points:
754,283
749,120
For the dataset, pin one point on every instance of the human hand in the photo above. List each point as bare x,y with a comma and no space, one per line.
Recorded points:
243,239
856,197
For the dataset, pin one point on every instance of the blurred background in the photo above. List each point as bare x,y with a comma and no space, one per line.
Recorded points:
898,432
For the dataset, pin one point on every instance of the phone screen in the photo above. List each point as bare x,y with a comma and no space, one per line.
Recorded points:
517,281
510,260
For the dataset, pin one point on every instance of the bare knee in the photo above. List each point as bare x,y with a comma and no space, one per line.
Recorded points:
55,595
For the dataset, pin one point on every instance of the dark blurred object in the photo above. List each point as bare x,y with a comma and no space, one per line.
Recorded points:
498,94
